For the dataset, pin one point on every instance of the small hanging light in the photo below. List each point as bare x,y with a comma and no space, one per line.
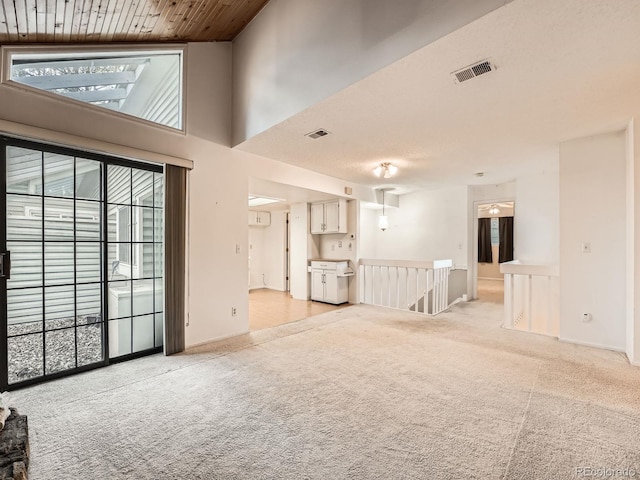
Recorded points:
494,210
383,220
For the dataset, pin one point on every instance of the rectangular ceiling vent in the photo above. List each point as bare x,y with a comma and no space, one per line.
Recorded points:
472,71
321,132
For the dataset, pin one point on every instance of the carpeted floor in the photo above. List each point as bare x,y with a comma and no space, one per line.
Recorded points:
360,392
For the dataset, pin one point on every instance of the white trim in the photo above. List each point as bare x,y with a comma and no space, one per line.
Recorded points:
5,76
472,248
516,267
592,344
431,264
217,339
27,132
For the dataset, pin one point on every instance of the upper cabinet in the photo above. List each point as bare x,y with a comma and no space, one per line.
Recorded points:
329,217
259,219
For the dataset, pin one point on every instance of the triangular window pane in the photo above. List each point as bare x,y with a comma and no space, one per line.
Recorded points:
143,84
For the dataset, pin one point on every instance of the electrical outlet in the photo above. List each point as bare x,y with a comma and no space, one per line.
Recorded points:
237,248
585,247
586,317
350,246
234,311
340,244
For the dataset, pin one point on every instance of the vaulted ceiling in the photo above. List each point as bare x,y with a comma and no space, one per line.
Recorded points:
100,21
559,75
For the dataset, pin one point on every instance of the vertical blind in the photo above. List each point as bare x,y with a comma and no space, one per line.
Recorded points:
175,246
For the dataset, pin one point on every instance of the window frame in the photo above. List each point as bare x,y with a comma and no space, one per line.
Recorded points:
7,53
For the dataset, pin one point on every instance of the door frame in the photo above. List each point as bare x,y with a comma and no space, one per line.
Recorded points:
472,273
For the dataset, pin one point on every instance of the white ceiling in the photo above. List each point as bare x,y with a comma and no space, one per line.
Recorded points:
565,69
288,193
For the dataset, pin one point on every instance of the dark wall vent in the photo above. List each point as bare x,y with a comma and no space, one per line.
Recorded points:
472,71
321,132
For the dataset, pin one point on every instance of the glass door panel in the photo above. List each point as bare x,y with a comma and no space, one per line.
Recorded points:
87,264
56,251
134,218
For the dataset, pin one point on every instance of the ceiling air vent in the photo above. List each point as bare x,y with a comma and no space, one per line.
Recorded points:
321,132
472,71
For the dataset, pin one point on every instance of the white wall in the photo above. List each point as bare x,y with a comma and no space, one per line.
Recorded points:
592,209
299,251
536,219
218,222
257,275
428,225
267,249
296,53
275,241
366,240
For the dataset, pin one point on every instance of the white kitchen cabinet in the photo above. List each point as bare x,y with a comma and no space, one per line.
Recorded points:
330,281
259,219
329,217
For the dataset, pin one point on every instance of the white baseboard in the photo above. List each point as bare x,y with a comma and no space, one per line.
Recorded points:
267,287
277,289
216,339
635,364
594,345
491,278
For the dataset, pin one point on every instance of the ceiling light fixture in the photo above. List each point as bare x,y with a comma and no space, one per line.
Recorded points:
383,220
386,170
257,201
494,210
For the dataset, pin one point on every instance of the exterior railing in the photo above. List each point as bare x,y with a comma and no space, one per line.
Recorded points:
421,287
531,297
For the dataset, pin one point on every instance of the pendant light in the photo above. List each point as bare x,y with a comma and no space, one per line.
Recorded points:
383,220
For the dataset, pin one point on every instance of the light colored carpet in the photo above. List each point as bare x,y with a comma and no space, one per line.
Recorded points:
360,392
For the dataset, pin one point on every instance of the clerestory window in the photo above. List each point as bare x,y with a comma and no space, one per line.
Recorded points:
146,84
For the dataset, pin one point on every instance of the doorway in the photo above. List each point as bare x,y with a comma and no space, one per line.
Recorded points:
495,246
81,277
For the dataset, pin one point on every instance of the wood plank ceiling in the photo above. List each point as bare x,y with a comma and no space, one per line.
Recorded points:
106,21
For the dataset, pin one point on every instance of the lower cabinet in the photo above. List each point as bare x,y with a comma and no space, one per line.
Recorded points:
330,281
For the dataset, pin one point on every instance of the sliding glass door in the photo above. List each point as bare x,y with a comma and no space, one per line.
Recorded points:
81,262
135,259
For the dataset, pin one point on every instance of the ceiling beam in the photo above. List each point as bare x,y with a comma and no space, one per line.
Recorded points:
98,95
50,82
95,62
